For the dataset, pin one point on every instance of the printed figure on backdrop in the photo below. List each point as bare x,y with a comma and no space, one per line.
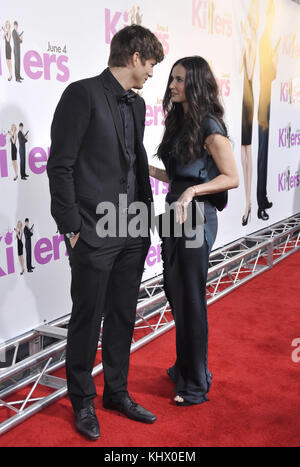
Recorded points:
200,168
132,15
268,60
19,236
23,138
135,15
28,232
138,16
249,34
7,37
13,139
18,39
104,161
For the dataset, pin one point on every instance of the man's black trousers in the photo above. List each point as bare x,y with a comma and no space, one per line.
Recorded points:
105,283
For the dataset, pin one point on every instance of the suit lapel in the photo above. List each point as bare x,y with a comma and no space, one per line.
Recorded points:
118,121
112,102
139,135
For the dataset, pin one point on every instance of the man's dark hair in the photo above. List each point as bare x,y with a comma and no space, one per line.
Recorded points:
26,220
133,39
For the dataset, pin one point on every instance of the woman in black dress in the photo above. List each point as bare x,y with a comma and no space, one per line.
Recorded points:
7,37
13,147
200,168
19,235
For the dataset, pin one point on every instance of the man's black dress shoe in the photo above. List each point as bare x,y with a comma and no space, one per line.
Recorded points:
268,204
261,214
87,423
130,408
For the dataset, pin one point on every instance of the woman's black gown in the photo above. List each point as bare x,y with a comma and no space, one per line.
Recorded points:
185,274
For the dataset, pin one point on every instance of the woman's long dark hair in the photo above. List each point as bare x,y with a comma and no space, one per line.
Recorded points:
202,94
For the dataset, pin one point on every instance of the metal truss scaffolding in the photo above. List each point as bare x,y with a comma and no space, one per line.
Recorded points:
33,377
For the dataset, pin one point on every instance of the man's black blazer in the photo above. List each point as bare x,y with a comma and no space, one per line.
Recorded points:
22,142
27,234
88,162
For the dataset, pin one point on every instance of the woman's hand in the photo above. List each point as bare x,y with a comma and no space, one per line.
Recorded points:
182,204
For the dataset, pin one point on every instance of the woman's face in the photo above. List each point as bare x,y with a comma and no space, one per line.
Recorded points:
177,85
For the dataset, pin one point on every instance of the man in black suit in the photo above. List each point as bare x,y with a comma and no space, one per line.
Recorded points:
22,150
28,234
18,39
96,155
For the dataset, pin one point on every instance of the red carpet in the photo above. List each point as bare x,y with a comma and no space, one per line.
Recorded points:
255,395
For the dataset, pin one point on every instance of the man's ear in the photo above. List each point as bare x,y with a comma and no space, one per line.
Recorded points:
135,59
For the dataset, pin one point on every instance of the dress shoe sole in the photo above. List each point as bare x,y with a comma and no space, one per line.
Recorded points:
115,407
261,214
91,438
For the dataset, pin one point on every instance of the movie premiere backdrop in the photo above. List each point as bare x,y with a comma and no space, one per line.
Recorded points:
253,47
